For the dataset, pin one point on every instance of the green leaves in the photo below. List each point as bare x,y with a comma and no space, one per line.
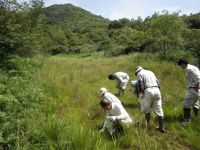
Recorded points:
18,97
166,31
17,21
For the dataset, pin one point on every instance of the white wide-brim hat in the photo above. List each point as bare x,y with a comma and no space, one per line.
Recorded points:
103,90
137,69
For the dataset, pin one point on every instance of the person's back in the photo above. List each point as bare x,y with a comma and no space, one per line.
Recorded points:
122,80
115,115
150,95
148,78
111,97
122,75
192,75
118,111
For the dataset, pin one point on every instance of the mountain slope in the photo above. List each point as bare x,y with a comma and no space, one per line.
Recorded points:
70,29
70,16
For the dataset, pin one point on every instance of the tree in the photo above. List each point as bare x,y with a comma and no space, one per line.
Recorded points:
105,45
137,24
128,39
9,33
192,37
125,22
166,31
33,10
193,21
115,25
32,20
14,35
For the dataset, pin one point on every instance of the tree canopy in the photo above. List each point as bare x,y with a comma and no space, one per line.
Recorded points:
29,27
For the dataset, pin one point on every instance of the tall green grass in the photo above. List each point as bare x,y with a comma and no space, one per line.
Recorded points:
71,96
19,101
57,106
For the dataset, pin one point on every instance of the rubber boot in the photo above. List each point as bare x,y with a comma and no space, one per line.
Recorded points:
147,118
187,115
160,124
196,111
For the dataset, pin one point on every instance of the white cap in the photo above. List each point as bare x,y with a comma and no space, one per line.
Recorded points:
133,83
137,69
103,90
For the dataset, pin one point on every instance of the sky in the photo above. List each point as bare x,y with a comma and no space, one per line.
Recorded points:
117,9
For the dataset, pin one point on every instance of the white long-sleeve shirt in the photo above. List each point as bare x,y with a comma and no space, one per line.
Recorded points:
192,75
147,78
109,96
117,112
122,76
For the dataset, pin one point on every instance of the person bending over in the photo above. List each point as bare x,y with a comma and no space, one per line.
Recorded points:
122,80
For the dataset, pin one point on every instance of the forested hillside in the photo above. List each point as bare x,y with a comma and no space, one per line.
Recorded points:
70,29
73,18
74,30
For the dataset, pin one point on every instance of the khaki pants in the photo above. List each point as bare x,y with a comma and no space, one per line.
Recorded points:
111,125
192,99
152,100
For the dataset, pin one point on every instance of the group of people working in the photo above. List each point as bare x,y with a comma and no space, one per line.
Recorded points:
148,89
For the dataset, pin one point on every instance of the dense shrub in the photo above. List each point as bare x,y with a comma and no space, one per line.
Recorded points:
57,50
18,96
175,55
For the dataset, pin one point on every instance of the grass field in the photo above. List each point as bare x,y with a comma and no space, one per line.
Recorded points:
70,115
56,105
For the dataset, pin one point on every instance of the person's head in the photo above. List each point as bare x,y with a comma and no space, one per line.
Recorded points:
111,77
138,69
106,104
103,90
182,63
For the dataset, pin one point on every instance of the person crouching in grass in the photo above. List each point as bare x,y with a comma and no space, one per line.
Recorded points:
116,117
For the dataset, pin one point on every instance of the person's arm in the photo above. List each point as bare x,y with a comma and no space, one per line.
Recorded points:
141,83
104,124
119,117
158,82
120,78
122,115
196,79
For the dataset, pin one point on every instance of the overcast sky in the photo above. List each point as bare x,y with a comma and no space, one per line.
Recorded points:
116,9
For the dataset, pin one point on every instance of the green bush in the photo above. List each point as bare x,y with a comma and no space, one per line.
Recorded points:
175,55
18,95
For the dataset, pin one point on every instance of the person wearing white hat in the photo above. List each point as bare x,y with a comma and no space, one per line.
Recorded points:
122,80
138,68
150,95
109,96
116,116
